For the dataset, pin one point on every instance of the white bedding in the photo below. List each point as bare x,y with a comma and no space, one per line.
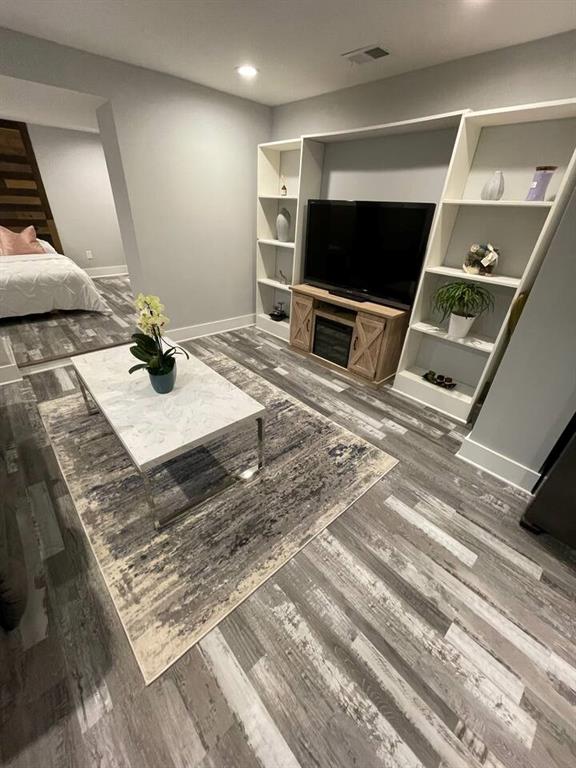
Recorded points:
37,283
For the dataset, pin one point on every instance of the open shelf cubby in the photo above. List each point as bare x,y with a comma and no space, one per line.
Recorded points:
512,140
269,295
267,212
486,328
273,263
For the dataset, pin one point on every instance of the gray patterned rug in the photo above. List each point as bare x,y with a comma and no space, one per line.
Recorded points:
171,588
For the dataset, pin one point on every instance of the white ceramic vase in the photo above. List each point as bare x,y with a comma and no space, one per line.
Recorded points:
283,225
494,187
459,326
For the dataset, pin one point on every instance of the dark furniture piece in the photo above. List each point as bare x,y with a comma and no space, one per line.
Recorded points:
553,509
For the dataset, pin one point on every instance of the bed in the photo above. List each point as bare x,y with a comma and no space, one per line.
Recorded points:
36,283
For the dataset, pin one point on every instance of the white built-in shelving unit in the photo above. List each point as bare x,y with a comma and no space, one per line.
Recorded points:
297,164
278,164
514,140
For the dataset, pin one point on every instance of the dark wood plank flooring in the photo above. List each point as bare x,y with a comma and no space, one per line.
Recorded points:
42,338
422,628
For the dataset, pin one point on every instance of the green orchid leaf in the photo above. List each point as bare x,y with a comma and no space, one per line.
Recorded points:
141,354
137,367
145,342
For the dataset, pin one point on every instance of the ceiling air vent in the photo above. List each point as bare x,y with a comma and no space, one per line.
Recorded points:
366,55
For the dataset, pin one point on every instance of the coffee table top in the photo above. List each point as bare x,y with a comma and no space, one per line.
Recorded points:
155,428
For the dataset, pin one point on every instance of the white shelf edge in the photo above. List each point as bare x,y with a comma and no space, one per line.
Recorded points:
429,122
278,197
559,109
274,284
502,203
508,282
478,343
277,243
283,145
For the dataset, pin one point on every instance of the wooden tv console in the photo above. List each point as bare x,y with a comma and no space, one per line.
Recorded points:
377,335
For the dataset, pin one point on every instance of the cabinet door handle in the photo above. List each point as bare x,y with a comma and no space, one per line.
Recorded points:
355,344
308,325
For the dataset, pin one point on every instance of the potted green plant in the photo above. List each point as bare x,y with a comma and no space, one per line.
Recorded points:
155,354
463,301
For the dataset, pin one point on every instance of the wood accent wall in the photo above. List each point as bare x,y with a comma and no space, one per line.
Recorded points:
23,199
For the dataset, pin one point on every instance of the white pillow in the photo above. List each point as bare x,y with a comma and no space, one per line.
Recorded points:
47,247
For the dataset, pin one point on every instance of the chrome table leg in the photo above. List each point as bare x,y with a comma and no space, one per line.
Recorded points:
85,395
245,476
260,424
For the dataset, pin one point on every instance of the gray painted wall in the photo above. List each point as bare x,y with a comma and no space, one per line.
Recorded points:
76,179
407,168
538,71
182,162
533,395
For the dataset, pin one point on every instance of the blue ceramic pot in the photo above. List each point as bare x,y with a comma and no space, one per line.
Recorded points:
164,382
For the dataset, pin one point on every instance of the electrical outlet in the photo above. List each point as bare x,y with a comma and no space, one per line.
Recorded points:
89,255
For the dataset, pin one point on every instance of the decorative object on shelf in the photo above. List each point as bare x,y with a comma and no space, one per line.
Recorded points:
282,277
494,187
446,382
283,188
156,355
540,182
481,259
463,301
283,225
278,313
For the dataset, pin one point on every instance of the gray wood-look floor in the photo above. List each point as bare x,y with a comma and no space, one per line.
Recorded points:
42,338
422,628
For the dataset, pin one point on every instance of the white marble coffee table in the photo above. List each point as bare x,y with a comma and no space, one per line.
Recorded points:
155,428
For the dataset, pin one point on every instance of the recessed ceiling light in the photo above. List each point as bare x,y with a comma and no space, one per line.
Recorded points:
247,71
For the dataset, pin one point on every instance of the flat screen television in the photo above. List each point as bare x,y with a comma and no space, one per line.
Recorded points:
367,250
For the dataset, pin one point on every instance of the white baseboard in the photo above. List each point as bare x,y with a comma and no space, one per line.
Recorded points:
496,464
118,269
208,329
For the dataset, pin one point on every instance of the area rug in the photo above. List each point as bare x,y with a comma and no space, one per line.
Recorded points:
171,587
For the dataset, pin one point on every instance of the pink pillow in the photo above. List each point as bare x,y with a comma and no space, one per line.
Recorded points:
19,243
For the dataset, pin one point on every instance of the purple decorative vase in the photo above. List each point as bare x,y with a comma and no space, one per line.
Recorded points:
540,182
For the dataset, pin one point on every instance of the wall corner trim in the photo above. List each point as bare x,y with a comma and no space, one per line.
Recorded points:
207,329
496,464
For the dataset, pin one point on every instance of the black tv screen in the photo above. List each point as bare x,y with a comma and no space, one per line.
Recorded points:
370,250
